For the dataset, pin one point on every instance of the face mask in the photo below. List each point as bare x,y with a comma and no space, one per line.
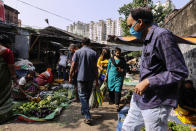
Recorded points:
138,35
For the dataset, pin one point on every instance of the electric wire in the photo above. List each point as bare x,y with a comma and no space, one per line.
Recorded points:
62,17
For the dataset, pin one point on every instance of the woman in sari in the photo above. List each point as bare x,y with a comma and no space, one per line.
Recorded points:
115,76
102,64
27,89
45,77
7,73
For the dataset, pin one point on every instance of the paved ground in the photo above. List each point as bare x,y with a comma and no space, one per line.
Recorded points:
104,119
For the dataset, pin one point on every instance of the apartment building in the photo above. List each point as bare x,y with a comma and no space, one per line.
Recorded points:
79,28
118,27
97,31
91,29
101,30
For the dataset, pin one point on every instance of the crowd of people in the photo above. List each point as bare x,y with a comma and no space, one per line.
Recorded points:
162,67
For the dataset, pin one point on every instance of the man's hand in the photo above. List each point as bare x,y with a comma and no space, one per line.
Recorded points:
29,97
140,88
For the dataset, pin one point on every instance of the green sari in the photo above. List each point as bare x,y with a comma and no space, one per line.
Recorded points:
5,91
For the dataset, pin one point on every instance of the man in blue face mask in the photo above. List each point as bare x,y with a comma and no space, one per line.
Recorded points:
162,67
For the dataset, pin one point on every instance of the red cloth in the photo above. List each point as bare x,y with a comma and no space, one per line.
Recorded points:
42,79
2,11
50,79
8,56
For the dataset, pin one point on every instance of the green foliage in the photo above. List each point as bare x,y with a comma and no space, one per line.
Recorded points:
177,127
143,129
159,12
174,127
135,54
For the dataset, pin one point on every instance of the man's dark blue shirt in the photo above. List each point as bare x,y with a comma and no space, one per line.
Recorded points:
162,63
86,60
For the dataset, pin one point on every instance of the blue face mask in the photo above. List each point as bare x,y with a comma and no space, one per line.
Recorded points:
138,35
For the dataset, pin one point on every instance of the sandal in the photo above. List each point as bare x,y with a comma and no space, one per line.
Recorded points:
117,108
87,121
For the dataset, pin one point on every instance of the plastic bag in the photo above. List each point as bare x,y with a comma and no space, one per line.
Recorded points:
93,100
67,85
99,98
104,88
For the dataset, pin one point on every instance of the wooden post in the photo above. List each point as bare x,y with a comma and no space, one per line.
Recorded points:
35,41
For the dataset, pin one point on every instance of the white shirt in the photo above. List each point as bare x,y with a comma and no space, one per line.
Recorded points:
63,60
46,74
22,81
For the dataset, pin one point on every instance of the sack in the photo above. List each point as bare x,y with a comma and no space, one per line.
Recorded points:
104,88
93,99
99,98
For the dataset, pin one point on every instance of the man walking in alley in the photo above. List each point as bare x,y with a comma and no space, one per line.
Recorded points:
74,74
162,67
85,60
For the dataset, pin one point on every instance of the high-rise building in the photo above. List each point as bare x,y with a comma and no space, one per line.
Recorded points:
91,25
70,28
108,27
95,38
101,30
118,27
79,28
97,31
113,28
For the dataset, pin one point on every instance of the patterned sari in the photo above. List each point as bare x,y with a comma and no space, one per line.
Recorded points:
5,91
31,88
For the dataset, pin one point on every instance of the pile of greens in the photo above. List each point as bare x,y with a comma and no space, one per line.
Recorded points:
45,106
175,127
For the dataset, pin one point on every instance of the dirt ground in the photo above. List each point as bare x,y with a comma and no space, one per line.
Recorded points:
104,119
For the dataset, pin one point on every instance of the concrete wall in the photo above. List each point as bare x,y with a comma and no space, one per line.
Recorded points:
184,24
22,44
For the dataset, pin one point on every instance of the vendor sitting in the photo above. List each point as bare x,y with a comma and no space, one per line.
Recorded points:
27,88
188,97
45,77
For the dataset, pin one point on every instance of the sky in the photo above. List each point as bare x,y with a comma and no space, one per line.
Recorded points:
75,10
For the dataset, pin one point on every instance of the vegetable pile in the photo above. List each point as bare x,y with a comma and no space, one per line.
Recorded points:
177,127
45,107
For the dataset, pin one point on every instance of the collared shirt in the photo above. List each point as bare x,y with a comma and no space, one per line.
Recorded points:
86,60
163,64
